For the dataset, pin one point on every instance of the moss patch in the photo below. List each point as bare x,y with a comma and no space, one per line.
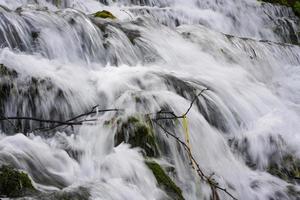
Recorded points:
14,183
164,181
294,4
138,133
288,169
104,14
296,8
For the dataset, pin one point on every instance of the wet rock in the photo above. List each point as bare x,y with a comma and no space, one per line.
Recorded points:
287,169
24,96
294,4
79,193
293,192
4,71
104,14
164,181
14,183
138,133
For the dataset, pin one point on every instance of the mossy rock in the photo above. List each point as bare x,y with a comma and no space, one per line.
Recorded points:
4,71
138,133
14,183
287,169
164,181
104,14
294,4
7,86
27,94
296,8
57,3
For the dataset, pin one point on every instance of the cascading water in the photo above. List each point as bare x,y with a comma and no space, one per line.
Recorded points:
58,61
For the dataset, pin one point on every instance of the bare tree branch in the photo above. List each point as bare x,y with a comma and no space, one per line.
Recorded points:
70,122
174,116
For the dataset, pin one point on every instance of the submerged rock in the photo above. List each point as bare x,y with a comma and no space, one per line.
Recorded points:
24,96
164,181
14,183
80,193
293,192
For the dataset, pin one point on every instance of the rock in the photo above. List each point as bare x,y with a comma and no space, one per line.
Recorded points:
137,133
14,183
24,95
164,181
296,8
294,4
104,14
4,71
287,169
78,193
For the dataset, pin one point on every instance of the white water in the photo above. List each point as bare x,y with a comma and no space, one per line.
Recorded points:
252,102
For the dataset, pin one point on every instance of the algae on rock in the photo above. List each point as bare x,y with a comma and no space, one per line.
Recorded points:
14,183
288,169
104,14
164,181
138,133
294,4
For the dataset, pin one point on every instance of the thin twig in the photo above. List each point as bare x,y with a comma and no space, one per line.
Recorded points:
10,122
39,120
193,101
70,122
174,116
92,111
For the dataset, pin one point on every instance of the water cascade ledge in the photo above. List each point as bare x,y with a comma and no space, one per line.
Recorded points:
150,59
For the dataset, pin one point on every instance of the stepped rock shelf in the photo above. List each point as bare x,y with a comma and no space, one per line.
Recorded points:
149,100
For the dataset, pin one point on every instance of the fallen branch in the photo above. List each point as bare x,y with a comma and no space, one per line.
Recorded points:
40,120
208,179
70,122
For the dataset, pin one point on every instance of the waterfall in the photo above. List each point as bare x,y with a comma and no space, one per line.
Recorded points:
58,61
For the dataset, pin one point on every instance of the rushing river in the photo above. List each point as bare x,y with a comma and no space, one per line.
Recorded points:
59,61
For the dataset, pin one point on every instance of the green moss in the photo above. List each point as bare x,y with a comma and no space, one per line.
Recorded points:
104,14
14,183
287,169
281,2
296,8
294,4
164,181
137,133
57,3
